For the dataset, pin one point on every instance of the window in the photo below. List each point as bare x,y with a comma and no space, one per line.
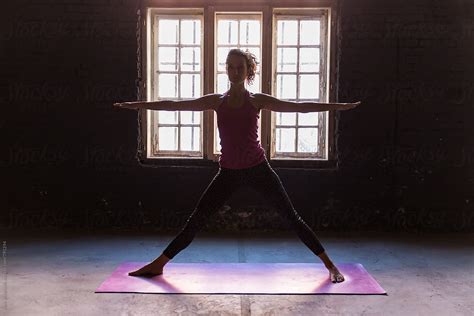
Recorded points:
236,31
177,74
299,47
184,51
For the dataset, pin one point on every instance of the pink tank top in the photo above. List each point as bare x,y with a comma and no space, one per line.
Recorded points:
238,130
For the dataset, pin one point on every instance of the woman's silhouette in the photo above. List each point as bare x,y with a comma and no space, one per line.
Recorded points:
242,160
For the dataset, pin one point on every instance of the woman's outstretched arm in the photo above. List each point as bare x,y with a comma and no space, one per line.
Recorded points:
268,102
207,102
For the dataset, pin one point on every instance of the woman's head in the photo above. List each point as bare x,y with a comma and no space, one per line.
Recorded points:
241,66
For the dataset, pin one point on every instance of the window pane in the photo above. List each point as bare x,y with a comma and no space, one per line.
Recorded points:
168,31
190,117
222,83
307,140
286,59
218,141
287,32
309,87
255,86
310,118
285,118
167,117
186,138
197,138
286,86
190,85
249,32
167,85
227,32
167,58
309,60
221,57
310,32
255,51
190,138
191,59
285,140
168,138
190,31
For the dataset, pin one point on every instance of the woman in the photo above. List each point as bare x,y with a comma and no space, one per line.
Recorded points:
242,160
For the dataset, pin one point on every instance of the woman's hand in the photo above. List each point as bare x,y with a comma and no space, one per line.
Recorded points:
348,106
128,105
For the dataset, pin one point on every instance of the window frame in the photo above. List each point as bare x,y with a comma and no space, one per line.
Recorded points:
285,14
209,8
152,116
216,73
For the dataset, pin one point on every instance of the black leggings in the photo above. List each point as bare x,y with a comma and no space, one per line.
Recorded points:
264,180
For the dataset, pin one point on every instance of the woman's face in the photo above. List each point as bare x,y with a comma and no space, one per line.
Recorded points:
236,69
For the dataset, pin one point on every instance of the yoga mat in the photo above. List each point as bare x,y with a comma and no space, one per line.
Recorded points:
242,278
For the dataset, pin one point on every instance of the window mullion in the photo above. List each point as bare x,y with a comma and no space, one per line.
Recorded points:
178,85
207,135
298,28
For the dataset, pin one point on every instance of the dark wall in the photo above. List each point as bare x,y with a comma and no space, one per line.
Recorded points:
406,155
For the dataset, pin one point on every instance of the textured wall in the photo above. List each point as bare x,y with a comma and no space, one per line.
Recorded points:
406,156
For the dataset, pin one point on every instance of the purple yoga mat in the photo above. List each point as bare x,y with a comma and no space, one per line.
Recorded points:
242,278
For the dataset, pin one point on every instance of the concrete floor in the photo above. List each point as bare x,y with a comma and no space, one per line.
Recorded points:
56,273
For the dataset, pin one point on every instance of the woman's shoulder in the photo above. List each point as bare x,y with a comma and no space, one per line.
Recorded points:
258,99
213,95
215,99
260,96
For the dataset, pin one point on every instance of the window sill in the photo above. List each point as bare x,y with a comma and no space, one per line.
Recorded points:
190,162
293,163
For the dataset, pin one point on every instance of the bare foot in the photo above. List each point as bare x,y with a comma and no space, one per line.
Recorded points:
335,275
149,270
153,268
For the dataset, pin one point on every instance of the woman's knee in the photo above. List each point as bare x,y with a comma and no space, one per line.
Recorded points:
288,213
